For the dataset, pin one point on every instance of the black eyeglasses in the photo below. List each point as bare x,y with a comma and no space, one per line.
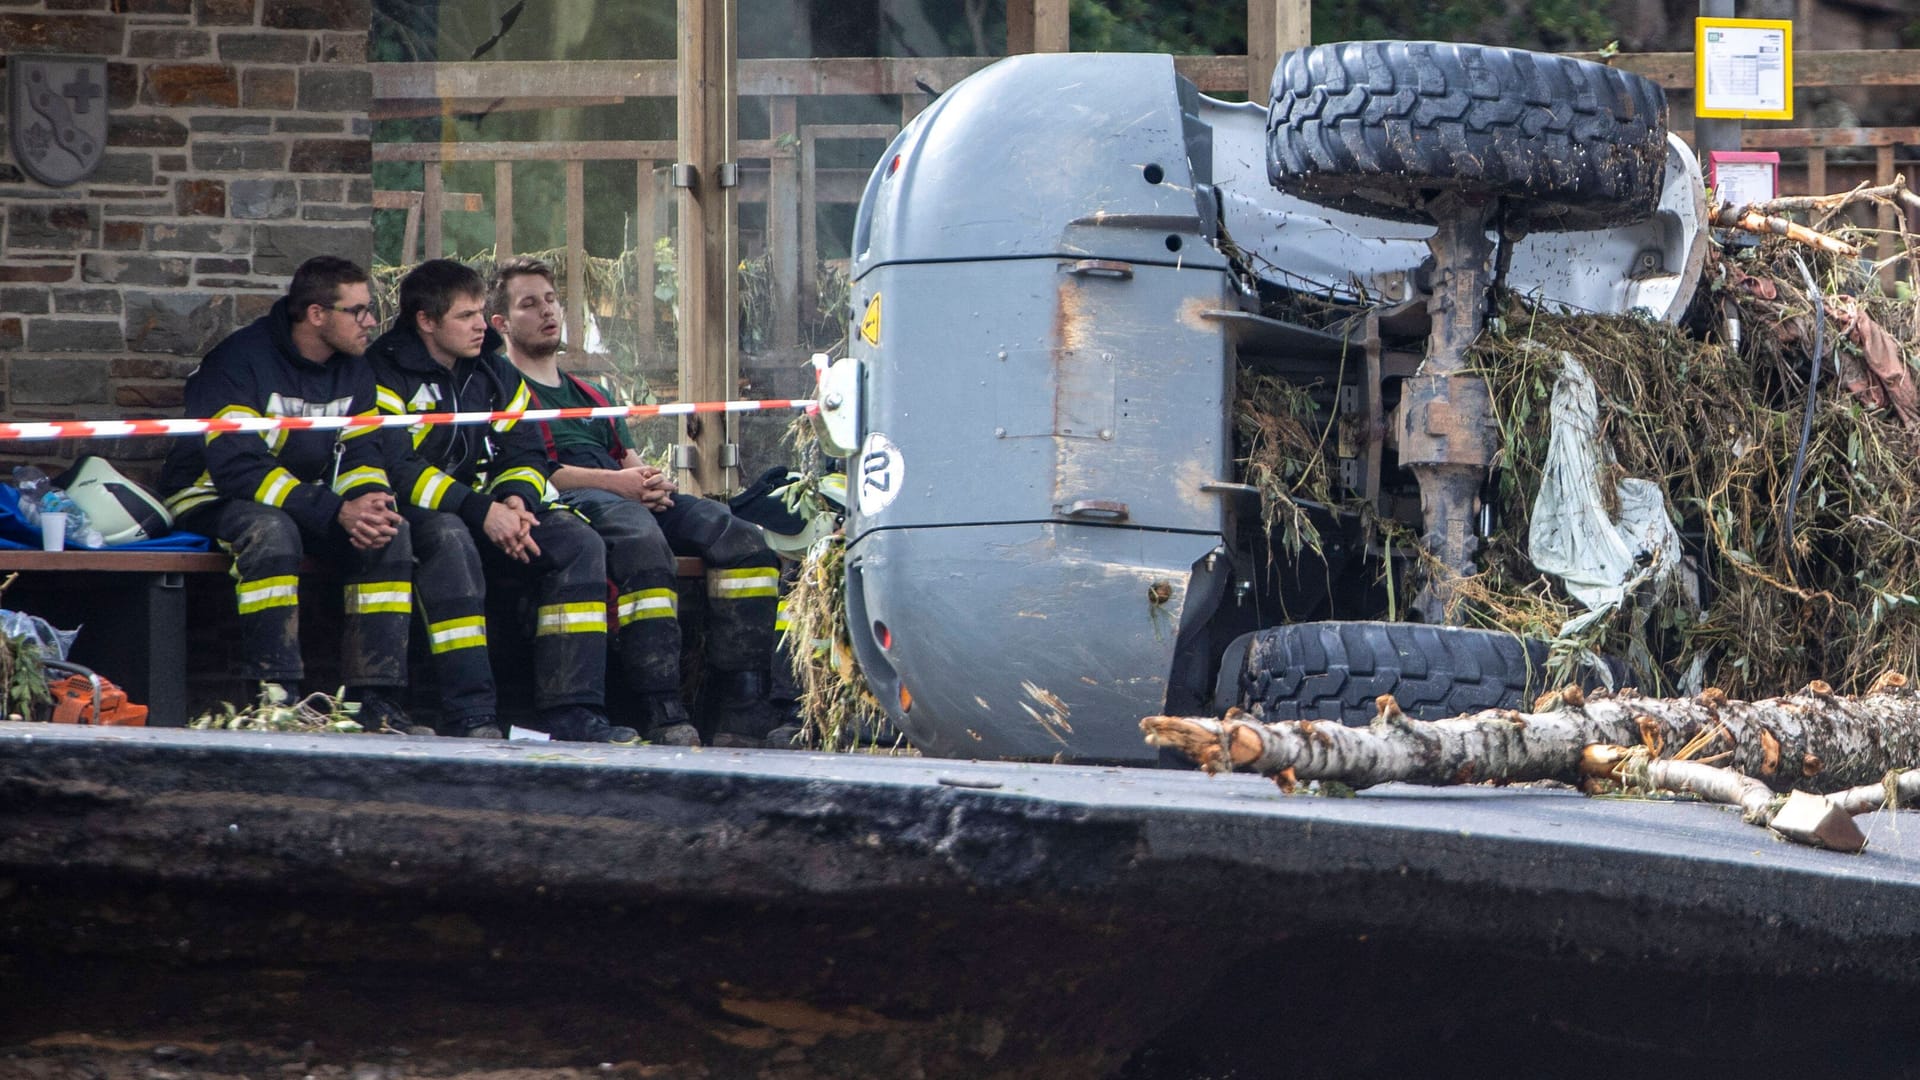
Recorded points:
357,312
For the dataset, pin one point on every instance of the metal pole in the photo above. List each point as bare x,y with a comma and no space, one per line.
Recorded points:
1712,134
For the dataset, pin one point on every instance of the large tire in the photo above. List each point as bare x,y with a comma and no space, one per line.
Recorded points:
1335,670
1381,127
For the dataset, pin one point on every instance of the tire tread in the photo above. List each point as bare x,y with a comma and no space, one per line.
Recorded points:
1335,671
1372,126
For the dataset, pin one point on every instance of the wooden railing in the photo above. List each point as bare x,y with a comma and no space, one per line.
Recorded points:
782,171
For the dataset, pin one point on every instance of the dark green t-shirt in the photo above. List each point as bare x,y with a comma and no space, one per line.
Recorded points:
586,443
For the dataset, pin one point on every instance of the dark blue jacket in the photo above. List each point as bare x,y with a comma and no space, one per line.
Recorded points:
462,469
257,371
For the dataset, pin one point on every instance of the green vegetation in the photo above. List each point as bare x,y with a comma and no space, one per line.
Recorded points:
1788,578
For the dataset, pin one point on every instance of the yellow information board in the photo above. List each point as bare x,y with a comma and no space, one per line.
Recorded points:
1743,69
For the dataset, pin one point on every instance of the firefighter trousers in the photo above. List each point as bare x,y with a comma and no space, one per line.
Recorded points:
451,593
743,584
569,582
267,545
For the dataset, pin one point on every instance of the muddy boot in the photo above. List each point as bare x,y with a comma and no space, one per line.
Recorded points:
739,708
479,727
379,711
575,723
667,723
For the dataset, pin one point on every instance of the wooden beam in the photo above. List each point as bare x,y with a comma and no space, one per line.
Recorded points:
1837,67
646,182
1051,29
1293,24
1890,238
879,132
1798,138
1263,48
708,233
471,202
471,86
783,222
578,82
1019,27
569,150
576,294
503,210
410,238
1273,28
809,213
1816,171
831,187
474,109
723,118
430,205
839,185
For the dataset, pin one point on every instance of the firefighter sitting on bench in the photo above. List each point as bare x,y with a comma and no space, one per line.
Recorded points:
273,498
635,510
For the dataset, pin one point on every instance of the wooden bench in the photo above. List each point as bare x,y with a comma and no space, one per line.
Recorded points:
132,606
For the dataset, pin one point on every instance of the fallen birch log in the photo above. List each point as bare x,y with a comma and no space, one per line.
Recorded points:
1747,220
1744,753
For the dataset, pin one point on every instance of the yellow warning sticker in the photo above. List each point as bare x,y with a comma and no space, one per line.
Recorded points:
870,322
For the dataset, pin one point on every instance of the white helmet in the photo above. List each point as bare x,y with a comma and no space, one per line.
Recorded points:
120,509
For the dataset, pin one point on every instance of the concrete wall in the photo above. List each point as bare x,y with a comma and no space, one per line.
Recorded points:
238,145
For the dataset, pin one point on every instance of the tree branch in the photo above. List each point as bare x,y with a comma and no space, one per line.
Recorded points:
1747,219
1811,739
1827,204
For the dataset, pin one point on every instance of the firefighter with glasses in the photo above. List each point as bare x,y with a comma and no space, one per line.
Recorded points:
274,498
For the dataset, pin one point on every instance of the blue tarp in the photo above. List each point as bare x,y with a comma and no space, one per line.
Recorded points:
17,533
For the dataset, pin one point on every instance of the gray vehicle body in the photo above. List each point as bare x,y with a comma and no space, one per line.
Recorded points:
1041,536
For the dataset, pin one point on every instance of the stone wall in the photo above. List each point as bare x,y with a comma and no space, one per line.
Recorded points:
238,145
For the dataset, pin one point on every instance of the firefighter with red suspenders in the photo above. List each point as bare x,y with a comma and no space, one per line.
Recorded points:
634,508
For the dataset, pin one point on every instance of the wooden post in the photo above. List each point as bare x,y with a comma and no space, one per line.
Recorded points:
1273,27
576,280
1816,170
431,208
783,222
809,217
644,236
410,238
1050,29
1890,239
1019,27
723,121
502,210
709,286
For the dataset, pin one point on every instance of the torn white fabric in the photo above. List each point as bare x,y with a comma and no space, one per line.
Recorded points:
1602,561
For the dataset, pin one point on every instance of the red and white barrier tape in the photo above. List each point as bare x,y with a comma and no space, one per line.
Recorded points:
121,429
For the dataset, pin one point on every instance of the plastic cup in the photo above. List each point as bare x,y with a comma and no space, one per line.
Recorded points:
53,531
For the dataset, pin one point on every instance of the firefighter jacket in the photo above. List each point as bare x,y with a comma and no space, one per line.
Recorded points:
459,468
257,371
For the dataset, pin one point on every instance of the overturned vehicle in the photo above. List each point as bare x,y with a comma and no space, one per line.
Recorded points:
1066,273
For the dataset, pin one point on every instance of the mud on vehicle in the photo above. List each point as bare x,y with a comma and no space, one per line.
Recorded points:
1067,274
